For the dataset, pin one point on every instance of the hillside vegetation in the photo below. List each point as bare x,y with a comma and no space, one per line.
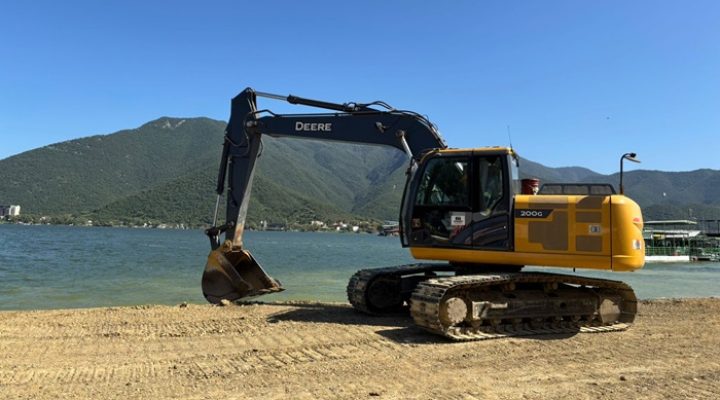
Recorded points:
164,172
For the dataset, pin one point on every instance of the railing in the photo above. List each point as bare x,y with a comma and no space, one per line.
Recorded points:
681,251
598,189
666,251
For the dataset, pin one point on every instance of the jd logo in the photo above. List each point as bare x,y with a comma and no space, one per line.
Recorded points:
313,126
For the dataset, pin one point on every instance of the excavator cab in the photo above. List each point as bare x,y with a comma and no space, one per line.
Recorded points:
461,199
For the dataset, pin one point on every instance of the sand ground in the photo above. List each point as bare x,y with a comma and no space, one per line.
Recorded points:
299,351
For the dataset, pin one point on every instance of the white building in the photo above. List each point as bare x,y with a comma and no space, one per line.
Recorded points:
9,211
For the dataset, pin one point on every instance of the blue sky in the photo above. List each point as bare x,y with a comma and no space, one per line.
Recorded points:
579,83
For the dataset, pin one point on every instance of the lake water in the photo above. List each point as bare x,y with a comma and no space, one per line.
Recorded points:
43,267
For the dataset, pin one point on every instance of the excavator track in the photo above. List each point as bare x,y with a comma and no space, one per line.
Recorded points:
386,290
491,306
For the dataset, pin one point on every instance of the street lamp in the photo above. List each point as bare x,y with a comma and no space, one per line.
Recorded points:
629,157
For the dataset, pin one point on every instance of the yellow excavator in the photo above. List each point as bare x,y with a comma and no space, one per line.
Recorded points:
462,209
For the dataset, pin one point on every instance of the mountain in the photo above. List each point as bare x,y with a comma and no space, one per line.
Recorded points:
670,195
662,195
530,169
164,172
84,174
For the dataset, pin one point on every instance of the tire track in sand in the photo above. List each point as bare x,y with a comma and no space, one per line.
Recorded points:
238,355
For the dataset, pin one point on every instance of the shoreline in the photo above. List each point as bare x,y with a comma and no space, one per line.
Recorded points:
196,228
271,303
278,303
294,349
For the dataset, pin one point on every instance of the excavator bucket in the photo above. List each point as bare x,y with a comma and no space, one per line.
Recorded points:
235,275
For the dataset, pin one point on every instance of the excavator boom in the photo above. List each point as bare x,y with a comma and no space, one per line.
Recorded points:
231,272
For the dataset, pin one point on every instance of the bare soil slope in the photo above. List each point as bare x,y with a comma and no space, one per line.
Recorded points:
329,351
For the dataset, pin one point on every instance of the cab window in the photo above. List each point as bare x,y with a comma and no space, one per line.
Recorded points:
490,177
515,175
445,183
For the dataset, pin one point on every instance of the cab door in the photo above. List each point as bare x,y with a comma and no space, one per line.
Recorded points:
491,222
442,202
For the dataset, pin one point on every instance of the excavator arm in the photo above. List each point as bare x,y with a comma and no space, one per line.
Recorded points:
231,272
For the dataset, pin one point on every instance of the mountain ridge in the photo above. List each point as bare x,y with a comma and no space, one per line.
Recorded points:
164,170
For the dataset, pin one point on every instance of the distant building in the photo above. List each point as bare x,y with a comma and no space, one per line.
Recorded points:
339,226
390,228
276,227
11,211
